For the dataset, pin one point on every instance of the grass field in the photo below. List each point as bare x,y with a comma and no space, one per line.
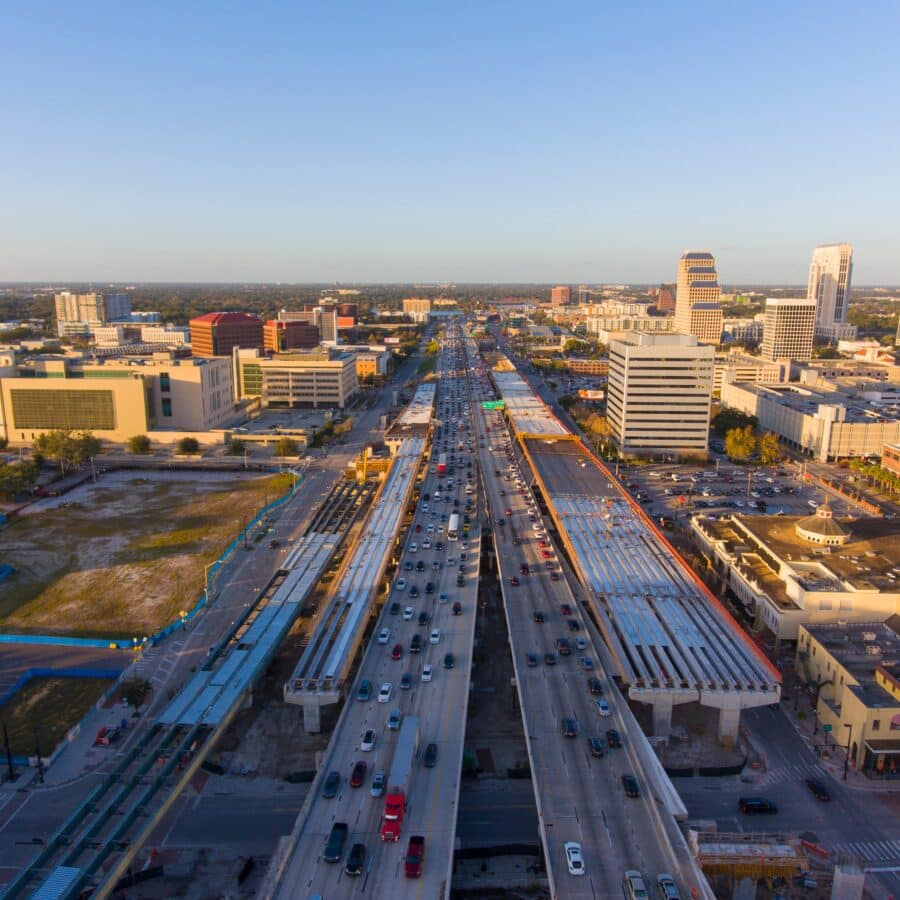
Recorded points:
54,705
122,558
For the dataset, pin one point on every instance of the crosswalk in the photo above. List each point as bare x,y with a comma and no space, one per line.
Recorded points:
793,772
870,851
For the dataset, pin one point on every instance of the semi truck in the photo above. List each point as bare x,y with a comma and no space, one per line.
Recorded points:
442,464
400,779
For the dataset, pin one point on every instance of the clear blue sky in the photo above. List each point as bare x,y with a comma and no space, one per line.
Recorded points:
455,141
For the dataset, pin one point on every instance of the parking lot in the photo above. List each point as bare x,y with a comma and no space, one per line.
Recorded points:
674,492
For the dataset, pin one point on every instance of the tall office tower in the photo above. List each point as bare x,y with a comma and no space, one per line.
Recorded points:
829,285
417,308
659,393
665,300
584,293
560,296
326,319
788,328
217,334
697,295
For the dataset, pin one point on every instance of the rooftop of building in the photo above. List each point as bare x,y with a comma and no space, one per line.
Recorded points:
862,649
808,400
870,560
697,254
218,318
702,269
705,284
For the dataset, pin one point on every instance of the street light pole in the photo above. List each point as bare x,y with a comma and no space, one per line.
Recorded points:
849,728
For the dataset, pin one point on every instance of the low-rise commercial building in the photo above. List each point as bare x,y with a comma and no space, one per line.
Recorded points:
790,571
827,424
751,369
116,399
279,336
318,378
854,671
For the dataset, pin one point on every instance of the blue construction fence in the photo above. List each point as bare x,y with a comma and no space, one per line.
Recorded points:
45,672
62,641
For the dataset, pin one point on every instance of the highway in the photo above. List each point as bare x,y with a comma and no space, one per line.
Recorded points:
440,704
580,797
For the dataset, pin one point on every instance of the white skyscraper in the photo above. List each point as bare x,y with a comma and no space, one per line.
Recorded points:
829,285
788,328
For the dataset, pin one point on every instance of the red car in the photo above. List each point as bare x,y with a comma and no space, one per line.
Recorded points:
509,512
358,775
543,544
565,609
397,652
545,554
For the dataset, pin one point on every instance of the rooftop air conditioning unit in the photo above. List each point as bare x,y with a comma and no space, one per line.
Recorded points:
873,650
869,636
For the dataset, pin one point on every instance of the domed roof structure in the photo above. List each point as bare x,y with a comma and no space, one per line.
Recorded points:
822,528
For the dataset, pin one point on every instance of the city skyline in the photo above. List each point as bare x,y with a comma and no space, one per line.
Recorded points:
303,146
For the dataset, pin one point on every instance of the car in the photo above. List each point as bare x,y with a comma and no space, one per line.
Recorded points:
569,728
603,707
424,618
634,886
273,543
334,845
449,661
378,784
613,738
407,567
594,686
539,617
355,859
545,554
405,681
565,609
408,613
456,609
394,719
513,581
331,784
443,598
523,569
384,636
431,755
574,624
460,580
368,741
435,637
397,651
632,788
587,663
574,859
580,644
413,592
549,659
427,673
517,541
358,775
364,692
400,584
752,806
415,644
501,521
595,745
384,692
420,565
531,660
667,888
819,791
395,608
554,576
508,512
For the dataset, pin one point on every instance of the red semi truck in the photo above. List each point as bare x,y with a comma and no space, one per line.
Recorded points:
400,779
442,464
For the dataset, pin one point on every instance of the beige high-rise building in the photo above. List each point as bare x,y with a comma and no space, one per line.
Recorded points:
788,329
659,392
829,286
697,296
417,308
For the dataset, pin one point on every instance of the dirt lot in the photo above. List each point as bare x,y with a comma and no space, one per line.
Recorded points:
54,705
125,555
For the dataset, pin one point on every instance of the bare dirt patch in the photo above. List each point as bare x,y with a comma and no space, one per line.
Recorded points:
124,556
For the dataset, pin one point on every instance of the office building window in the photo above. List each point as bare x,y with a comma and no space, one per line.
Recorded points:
167,406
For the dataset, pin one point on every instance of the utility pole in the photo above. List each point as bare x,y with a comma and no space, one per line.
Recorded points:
40,762
9,761
848,726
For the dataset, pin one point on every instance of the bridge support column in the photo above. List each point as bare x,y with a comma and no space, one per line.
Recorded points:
729,722
662,715
849,881
744,889
312,717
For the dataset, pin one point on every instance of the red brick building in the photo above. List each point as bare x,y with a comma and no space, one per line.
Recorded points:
560,296
279,336
217,334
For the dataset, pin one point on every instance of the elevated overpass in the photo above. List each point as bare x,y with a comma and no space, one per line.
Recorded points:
319,677
671,639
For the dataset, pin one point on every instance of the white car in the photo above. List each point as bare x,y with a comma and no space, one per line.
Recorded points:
400,584
427,672
414,547
384,692
384,636
368,741
634,885
574,859
435,636
426,544
430,528
602,708
408,613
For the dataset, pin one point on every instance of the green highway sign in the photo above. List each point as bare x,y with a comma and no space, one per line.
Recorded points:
826,728
493,404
